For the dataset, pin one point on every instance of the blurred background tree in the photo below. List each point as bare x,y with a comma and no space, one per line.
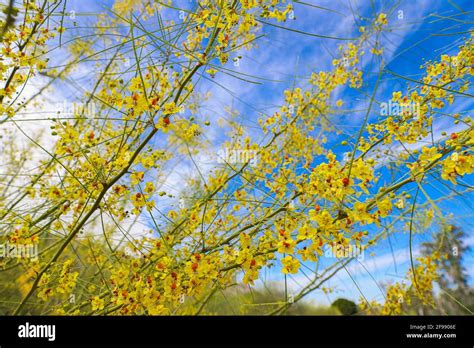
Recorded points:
455,294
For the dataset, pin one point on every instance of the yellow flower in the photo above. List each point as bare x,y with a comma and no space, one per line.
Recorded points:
396,96
428,155
382,19
290,265
384,207
136,177
149,188
170,108
457,165
97,303
286,245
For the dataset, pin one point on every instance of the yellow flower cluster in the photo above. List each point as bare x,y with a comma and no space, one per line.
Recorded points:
399,296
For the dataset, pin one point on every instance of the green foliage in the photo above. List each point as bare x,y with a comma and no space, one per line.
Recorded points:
346,307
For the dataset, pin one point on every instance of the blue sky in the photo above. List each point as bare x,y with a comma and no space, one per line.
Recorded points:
422,31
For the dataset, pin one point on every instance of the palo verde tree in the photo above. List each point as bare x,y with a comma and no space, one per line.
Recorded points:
277,195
